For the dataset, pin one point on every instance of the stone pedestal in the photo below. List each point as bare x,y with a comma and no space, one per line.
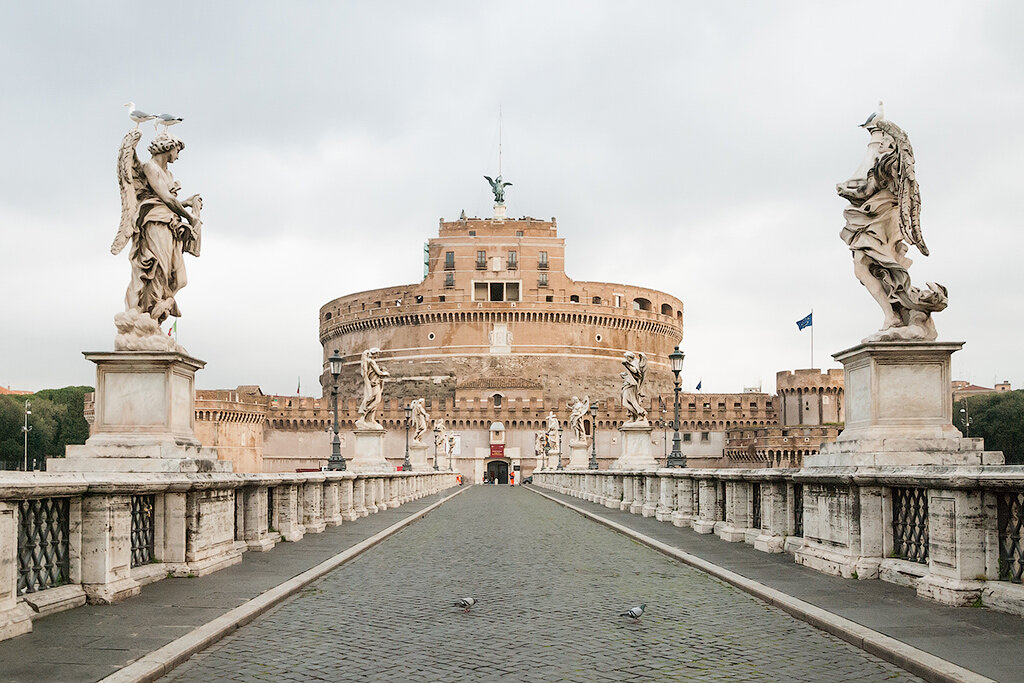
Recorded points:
899,409
579,455
637,449
418,457
499,211
369,452
144,417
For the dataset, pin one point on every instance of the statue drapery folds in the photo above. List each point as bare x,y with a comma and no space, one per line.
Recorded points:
160,229
633,380
373,389
883,217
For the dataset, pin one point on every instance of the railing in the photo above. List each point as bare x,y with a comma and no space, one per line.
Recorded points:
953,533
66,538
43,551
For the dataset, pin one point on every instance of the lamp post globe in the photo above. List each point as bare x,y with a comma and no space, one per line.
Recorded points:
406,465
676,458
335,462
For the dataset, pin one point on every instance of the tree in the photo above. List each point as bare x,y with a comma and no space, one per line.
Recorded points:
999,419
57,420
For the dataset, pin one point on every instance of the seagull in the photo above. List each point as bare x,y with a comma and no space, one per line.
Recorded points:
167,120
635,612
465,604
138,116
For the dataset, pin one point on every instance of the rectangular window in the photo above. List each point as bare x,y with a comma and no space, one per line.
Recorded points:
479,291
511,291
513,262
519,233
542,280
481,260
618,300
449,279
449,260
497,291
543,263
687,437
705,436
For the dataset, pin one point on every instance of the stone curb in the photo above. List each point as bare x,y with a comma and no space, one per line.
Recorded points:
162,661
917,662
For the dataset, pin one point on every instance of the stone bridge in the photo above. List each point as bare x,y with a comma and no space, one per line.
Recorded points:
223,576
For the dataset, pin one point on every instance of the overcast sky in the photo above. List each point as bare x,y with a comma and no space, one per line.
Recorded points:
689,147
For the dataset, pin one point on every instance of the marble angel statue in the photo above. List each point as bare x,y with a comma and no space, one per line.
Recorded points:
633,380
884,216
160,229
577,412
373,389
419,419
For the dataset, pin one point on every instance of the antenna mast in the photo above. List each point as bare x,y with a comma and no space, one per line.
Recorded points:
499,139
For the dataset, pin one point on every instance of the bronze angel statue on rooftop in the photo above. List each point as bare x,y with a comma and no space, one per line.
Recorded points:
883,217
498,188
160,229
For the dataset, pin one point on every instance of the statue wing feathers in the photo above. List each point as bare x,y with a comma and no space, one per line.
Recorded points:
488,179
130,180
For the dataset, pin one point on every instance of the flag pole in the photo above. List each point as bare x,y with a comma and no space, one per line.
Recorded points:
812,338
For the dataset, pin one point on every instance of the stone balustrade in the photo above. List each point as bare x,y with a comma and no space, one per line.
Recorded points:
952,533
71,538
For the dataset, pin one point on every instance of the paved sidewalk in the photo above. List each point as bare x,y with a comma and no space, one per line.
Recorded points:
984,641
91,642
551,585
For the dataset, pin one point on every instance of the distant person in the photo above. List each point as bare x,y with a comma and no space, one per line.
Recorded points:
511,478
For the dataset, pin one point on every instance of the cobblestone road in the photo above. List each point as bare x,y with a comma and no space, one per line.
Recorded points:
550,585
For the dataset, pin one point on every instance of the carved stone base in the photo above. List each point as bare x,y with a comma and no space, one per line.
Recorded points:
637,449
769,543
899,409
114,591
579,455
369,452
144,417
418,457
15,621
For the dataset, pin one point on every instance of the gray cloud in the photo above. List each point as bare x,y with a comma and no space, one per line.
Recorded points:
327,140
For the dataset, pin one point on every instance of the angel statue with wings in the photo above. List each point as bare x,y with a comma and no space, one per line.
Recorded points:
884,215
160,227
633,380
498,188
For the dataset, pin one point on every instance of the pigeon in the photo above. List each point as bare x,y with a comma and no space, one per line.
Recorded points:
465,604
635,612
167,120
138,116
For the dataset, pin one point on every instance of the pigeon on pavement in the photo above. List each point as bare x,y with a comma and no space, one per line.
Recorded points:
635,612
465,604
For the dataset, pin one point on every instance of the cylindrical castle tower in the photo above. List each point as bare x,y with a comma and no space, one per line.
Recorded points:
496,308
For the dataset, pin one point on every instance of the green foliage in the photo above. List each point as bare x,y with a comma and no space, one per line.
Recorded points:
999,419
56,421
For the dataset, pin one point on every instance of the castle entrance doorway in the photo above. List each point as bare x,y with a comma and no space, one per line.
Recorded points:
498,470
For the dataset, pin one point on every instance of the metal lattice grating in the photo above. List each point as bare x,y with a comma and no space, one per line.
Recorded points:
142,529
270,508
910,524
755,506
798,509
696,498
43,557
722,489
1010,507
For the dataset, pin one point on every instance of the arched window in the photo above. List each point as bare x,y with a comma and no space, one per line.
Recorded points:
666,309
497,400
641,304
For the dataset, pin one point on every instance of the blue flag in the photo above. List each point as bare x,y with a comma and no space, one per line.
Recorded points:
699,382
804,322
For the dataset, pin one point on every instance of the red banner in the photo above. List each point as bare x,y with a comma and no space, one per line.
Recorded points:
497,450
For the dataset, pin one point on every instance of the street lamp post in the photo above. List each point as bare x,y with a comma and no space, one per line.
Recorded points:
967,417
664,428
592,465
676,458
406,465
559,448
336,462
437,438
26,429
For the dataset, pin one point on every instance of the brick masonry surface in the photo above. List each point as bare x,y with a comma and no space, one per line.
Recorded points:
551,585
